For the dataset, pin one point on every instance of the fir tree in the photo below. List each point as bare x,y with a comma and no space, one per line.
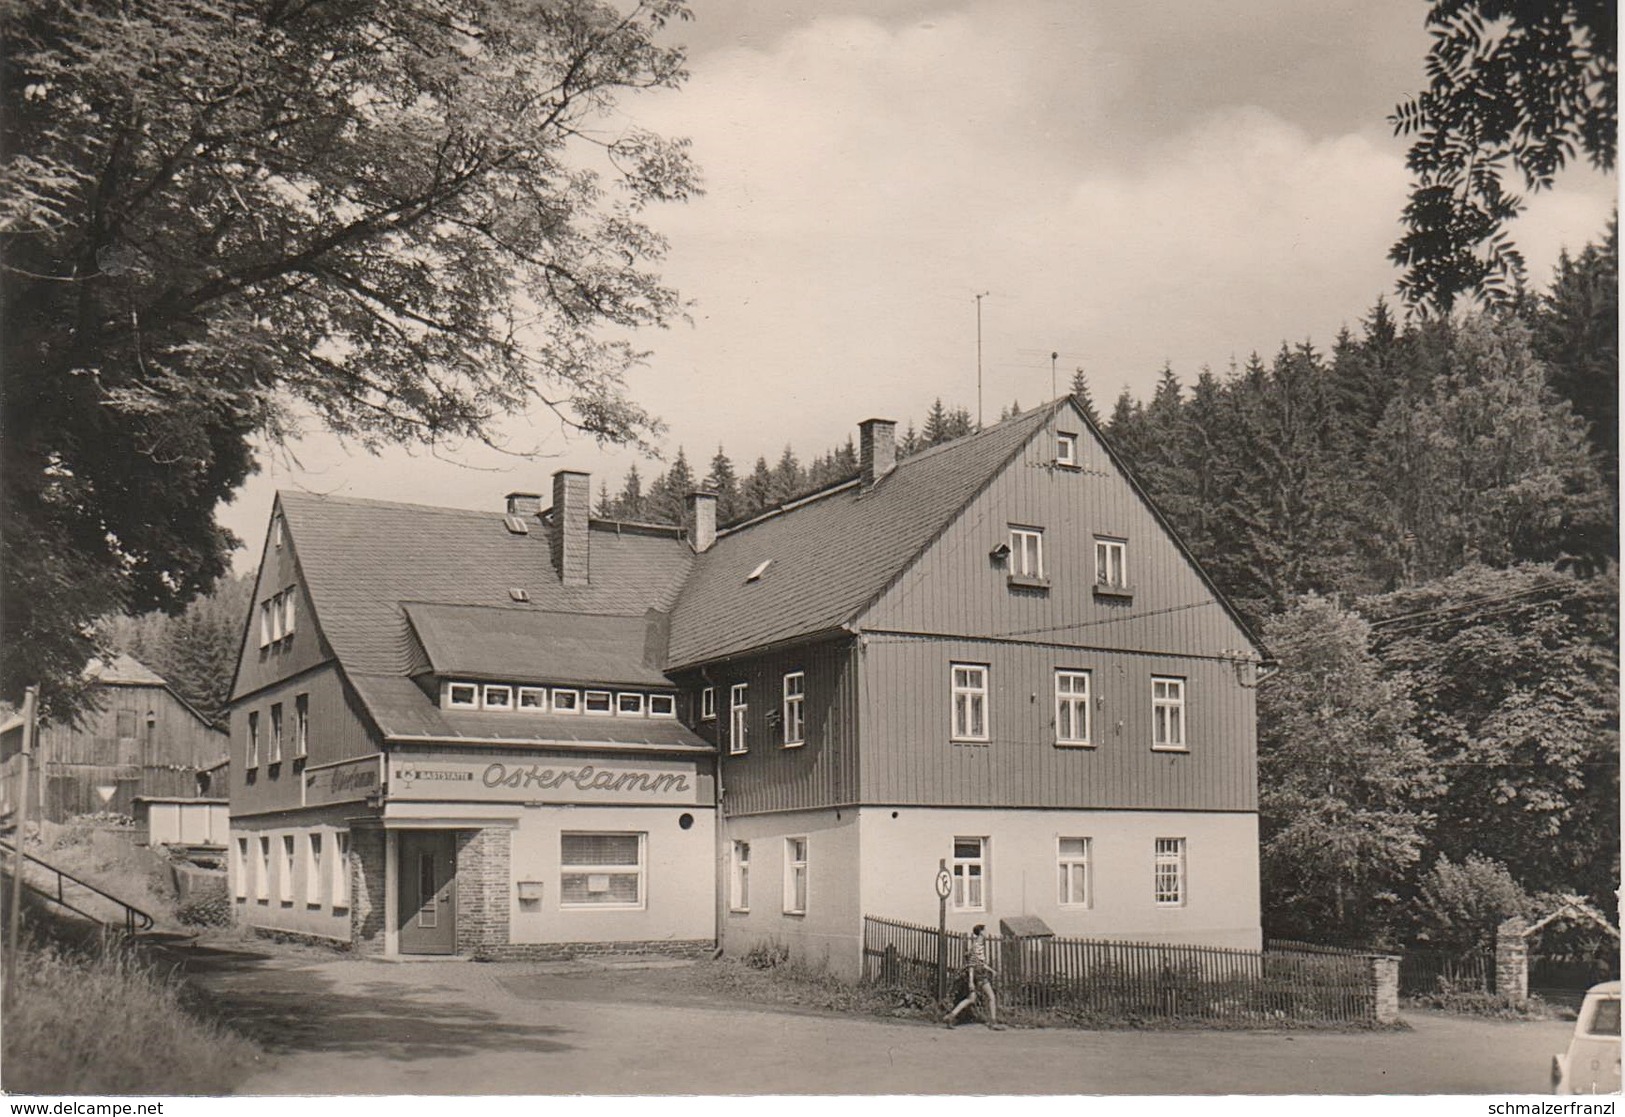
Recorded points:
721,481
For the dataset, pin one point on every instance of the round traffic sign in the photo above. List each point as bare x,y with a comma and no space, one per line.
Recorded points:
945,883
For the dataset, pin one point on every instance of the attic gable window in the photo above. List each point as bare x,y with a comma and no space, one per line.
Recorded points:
1066,450
463,696
566,701
533,698
598,702
276,532
498,698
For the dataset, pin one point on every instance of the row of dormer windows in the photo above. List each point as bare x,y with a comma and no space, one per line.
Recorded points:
276,618
512,697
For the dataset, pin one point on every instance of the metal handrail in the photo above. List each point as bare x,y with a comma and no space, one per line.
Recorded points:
134,918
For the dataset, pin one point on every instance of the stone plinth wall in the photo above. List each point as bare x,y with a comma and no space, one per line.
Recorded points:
568,951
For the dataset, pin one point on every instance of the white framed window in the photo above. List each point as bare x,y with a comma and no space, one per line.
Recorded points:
566,701
241,869
253,754
276,532
496,697
629,704
969,867
601,870
265,624
739,883
794,716
275,615
341,869
1168,872
599,703
970,701
1111,563
1167,712
284,891
1071,707
275,753
738,712
533,698
301,725
1027,552
1066,449
795,876
462,696
1072,859
288,596
708,704
313,869
262,871
662,705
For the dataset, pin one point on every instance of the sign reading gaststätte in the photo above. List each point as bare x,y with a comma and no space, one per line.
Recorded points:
509,779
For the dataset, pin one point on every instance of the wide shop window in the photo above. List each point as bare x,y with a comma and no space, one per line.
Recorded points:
601,870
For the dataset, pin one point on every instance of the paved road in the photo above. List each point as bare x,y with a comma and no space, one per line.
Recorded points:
342,1026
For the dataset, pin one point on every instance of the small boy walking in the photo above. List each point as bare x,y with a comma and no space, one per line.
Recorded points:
978,979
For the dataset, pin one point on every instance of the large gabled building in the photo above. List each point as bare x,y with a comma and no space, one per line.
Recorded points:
534,731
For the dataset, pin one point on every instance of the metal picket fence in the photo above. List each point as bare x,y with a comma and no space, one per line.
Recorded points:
1135,979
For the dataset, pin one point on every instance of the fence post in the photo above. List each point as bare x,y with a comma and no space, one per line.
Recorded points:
1385,986
1512,958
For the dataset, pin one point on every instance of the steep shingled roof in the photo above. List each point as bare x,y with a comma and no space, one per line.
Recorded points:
362,559
831,555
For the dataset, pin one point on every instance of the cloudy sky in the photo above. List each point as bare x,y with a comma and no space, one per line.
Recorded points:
1130,184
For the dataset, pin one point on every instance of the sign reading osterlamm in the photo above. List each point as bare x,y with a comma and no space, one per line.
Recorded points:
509,779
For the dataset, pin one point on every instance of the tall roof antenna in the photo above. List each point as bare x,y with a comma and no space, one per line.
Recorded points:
1053,357
979,299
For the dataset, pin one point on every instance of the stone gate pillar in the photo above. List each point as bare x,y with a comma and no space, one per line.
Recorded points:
1512,958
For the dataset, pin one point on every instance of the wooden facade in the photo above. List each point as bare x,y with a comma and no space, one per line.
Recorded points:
137,739
336,729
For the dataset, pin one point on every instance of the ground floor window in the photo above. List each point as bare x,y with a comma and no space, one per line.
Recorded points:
1073,861
601,870
739,893
970,874
262,871
1169,879
285,883
240,873
795,876
313,869
341,870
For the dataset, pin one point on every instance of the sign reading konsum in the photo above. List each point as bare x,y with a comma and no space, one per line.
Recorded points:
507,778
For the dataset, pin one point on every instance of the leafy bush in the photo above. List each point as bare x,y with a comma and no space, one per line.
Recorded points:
1468,1002
206,907
1460,905
768,954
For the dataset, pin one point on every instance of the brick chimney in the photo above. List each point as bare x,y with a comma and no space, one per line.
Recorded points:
702,519
524,504
877,449
567,529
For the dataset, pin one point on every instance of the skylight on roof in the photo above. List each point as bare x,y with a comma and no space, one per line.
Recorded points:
517,525
761,569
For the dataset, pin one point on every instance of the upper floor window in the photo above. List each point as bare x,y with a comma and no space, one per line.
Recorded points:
795,876
276,733
629,704
566,701
1027,552
1168,873
969,867
497,698
301,724
1072,707
708,704
662,705
253,740
597,702
1111,564
970,702
533,698
463,696
738,709
1167,712
795,724
1066,449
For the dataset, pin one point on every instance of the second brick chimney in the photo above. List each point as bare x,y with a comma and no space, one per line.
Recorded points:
567,527
702,519
877,449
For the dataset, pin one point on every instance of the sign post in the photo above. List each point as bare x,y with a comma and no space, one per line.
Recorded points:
945,884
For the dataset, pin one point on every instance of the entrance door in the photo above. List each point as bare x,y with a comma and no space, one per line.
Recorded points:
427,872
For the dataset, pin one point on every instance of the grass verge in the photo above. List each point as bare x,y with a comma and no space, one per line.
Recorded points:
97,1019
